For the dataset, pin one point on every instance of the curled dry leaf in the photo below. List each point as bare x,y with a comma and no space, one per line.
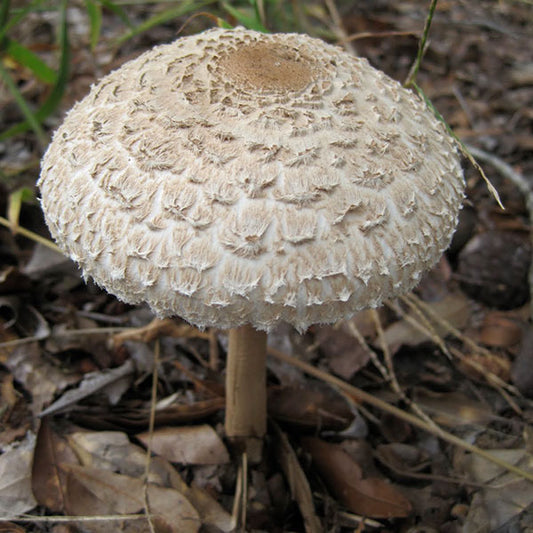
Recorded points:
113,382
167,327
9,310
300,490
25,318
129,416
372,497
403,458
188,412
187,445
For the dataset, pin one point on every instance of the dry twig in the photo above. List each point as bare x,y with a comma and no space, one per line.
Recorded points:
363,396
392,374
151,426
338,27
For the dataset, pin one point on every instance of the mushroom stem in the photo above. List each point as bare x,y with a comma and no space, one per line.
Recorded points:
246,389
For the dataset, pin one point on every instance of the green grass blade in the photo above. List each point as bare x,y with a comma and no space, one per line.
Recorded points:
4,14
250,22
460,143
411,78
58,89
259,10
94,11
6,25
163,17
14,204
221,23
31,120
28,59
118,11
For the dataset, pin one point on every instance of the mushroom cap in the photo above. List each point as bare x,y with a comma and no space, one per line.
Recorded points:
235,177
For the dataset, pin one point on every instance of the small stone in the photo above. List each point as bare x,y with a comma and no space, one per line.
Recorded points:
493,269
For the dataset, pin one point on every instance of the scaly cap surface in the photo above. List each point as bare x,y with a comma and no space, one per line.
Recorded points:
234,177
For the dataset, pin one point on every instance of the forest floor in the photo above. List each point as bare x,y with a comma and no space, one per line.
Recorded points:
456,356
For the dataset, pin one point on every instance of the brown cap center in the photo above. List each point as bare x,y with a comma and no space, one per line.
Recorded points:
269,67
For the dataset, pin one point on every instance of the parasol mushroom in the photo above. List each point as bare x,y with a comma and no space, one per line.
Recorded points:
239,180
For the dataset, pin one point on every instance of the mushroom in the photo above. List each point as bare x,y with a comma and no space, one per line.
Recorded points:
238,180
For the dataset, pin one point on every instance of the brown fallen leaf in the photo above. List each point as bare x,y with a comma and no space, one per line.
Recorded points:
300,490
210,511
112,382
188,412
477,366
8,340
167,327
434,284
15,480
40,377
132,415
372,497
25,319
12,279
109,450
112,451
8,396
452,409
455,309
15,420
310,409
47,478
94,492
187,445
403,458
522,369
9,527
502,497
499,331
344,353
